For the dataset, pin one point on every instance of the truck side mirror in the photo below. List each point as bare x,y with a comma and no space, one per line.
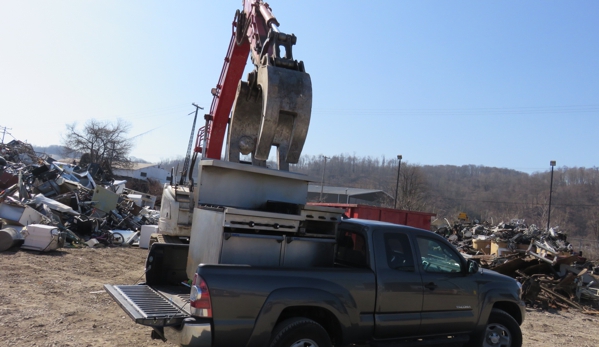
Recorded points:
472,266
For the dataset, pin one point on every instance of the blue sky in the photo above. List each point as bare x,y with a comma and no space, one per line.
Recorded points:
510,84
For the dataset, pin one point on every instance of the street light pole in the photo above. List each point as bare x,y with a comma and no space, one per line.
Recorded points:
397,184
552,163
322,181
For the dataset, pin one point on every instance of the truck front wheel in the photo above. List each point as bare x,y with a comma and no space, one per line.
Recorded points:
501,330
299,332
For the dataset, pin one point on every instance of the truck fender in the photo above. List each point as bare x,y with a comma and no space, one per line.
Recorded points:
281,299
491,298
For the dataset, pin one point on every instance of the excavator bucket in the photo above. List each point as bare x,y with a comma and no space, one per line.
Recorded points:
273,111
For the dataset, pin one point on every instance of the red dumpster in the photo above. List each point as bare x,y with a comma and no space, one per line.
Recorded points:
415,219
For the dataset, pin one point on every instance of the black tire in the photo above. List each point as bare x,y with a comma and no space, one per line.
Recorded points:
501,330
296,332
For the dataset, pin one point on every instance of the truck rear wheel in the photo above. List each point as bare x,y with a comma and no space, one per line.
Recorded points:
300,332
501,330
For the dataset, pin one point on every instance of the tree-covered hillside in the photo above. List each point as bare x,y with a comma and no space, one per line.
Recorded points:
484,193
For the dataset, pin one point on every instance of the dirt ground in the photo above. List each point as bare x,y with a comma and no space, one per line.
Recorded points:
57,299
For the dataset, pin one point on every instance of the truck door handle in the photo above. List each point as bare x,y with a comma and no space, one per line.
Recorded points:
430,286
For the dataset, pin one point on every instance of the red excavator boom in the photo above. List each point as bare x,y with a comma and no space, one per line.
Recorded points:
272,108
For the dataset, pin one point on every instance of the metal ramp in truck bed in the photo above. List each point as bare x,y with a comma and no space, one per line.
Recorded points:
147,306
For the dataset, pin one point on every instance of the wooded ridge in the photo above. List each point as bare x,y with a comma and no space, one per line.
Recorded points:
484,193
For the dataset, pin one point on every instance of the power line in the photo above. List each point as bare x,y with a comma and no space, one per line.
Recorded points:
527,110
517,203
151,113
160,112
158,127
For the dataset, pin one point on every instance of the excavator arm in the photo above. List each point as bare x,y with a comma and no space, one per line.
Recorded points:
271,108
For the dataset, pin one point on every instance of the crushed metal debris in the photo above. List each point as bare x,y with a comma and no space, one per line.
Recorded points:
46,204
552,274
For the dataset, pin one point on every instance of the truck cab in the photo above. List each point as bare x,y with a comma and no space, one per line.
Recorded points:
423,284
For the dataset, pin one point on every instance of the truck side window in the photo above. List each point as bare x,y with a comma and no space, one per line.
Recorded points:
351,249
438,257
399,252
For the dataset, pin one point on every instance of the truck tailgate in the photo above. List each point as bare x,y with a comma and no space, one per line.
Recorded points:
149,306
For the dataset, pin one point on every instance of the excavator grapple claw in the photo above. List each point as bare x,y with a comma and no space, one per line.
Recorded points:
273,109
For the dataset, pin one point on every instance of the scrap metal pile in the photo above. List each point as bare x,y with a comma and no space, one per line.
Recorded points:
544,262
46,203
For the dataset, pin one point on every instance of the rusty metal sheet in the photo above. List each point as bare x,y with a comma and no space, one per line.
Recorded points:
7,179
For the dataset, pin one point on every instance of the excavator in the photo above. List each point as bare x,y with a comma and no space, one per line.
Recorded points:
271,108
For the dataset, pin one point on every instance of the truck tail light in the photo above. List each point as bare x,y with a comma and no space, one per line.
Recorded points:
200,298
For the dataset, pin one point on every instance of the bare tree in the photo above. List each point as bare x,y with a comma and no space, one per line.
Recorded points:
102,143
412,189
593,225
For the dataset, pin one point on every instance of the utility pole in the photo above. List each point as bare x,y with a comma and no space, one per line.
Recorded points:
112,154
397,184
4,132
188,154
552,163
322,181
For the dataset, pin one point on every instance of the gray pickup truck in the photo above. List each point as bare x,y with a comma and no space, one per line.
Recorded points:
389,285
